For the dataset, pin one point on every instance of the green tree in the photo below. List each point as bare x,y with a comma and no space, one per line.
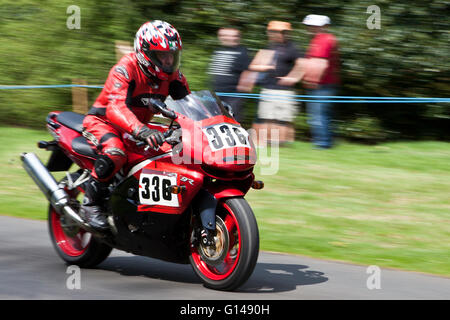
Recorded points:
407,57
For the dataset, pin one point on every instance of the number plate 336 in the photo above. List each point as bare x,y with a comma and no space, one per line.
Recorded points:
154,189
224,135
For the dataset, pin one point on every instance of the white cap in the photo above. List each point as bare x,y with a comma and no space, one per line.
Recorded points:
316,20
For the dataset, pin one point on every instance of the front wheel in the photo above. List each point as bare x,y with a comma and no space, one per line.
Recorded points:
233,260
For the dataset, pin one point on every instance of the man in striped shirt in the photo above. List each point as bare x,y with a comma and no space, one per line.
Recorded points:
227,64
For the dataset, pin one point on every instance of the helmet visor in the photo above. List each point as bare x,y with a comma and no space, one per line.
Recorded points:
168,61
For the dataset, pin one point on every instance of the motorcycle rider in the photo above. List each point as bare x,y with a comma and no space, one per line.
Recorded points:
152,71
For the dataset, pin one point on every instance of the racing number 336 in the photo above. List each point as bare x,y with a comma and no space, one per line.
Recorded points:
154,189
226,136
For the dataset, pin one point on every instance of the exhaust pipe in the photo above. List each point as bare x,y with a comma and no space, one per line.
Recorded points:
56,195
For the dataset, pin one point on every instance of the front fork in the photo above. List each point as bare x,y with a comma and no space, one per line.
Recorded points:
206,205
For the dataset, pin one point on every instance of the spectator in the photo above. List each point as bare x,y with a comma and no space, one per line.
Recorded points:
321,78
228,63
276,62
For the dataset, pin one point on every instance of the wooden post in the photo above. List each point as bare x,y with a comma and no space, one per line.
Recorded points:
123,48
79,97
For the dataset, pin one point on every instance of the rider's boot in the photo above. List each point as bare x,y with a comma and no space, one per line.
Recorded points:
92,207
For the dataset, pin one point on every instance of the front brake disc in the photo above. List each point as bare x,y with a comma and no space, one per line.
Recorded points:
215,256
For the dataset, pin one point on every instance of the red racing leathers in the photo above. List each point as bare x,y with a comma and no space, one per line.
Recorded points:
123,106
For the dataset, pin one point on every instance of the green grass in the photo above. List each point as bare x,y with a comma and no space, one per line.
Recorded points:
385,205
19,196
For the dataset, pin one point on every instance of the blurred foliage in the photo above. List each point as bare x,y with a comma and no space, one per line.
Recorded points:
407,57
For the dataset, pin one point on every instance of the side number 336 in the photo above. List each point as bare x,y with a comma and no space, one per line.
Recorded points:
155,190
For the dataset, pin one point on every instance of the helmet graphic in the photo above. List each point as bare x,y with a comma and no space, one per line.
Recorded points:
158,49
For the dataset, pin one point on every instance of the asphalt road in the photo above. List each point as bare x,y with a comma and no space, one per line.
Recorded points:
31,269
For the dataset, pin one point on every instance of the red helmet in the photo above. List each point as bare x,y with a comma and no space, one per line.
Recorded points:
158,49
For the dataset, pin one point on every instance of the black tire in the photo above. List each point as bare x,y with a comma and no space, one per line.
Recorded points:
89,256
248,250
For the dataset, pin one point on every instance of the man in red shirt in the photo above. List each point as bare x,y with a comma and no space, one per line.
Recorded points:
321,78
123,106
319,71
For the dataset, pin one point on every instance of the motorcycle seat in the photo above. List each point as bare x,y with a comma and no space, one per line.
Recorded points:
81,146
71,120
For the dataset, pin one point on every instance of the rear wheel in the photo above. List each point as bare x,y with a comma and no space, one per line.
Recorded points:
231,263
73,244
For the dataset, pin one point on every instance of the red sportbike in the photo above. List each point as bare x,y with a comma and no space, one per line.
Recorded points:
155,201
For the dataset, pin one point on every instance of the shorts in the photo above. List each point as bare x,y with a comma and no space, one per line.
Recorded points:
276,107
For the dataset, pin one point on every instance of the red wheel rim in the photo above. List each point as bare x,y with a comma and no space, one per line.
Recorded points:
228,265
72,246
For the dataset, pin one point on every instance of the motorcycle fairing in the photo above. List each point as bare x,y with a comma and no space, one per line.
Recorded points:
153,182
157,235
198,145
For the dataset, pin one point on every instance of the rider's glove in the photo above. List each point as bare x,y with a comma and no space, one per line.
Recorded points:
153,137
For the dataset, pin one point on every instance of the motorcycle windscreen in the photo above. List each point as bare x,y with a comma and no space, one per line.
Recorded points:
198,105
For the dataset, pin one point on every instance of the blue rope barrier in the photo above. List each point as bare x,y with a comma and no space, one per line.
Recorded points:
345,100
50,87
300,98
231,94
